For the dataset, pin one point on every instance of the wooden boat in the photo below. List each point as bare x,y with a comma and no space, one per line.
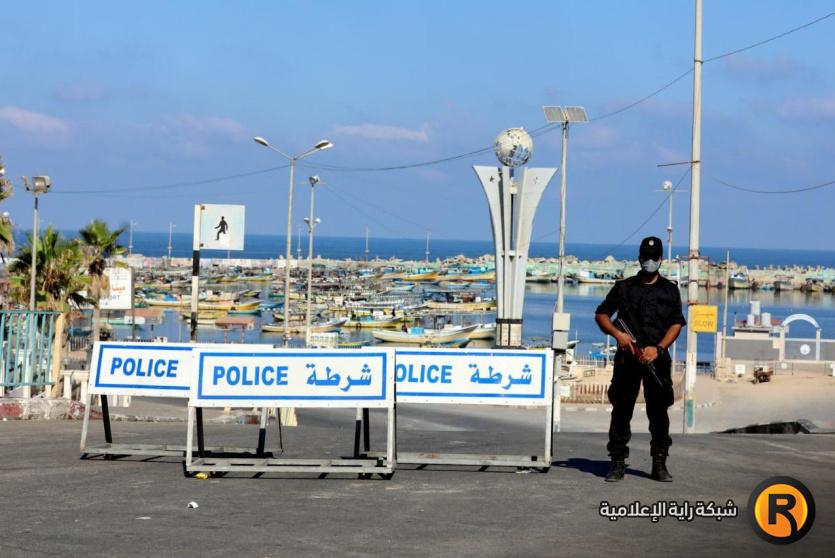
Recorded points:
373,321
478,306
595,278
739,281
452,344
316,327
422,274
421,336
484,331
245,306
168,302
206,317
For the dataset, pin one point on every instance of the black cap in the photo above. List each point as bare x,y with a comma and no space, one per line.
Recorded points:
651,249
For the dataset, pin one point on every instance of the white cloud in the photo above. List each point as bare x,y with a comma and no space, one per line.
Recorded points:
188,123
35,123
766,70
383,132
808,108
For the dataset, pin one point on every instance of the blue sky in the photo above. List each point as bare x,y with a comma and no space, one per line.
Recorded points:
109,95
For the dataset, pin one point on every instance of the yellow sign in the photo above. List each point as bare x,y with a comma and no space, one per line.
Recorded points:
704,318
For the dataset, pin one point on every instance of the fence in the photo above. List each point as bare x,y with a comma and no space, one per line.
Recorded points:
26,340
598,392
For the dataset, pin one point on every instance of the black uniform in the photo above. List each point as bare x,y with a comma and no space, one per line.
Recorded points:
649,310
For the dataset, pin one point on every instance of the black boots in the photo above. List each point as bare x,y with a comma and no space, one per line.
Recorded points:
659,469
616,472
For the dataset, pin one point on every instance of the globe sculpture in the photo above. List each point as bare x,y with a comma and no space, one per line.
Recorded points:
513,147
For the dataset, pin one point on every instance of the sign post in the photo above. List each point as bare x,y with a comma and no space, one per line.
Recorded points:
240,376
216,227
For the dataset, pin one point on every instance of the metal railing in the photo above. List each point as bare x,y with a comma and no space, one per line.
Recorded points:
26,340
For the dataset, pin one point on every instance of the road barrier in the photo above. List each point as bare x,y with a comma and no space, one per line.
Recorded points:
476,377
138,369
246,376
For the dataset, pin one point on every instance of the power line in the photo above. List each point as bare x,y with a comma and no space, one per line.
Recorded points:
172,185
651,215
776,192
536,132
768,40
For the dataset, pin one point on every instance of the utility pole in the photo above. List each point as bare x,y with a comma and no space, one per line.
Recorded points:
170,231
130,236
693,253
427,246
366,244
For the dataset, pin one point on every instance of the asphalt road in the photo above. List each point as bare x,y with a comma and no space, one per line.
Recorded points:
53,503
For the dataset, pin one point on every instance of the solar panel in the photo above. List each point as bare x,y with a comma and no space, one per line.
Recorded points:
554,114
576,114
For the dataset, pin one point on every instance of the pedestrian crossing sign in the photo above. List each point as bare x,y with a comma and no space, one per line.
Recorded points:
222,227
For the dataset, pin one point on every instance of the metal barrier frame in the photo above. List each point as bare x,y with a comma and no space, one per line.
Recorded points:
380,463
111,450
541,463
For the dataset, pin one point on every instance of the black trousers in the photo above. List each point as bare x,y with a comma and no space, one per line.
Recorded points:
626,382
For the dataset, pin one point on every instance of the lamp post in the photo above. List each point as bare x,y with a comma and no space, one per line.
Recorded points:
667,188
40,185
311,226
563,116
130,236
170,232
427,245
321,145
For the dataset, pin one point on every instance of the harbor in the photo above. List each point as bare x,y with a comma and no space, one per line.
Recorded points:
353,299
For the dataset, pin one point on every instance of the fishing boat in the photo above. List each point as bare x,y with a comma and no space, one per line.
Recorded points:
455,307
596,278
539,276
401,287
739,281
422,274
421,336
783,283
452,344
168,301
483,331
245,307
206,317
372,321
316,327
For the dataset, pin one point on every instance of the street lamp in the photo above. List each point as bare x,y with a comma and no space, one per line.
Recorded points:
426,252
563,116
131,225
667,188
170,231
321,145
40,185
311,226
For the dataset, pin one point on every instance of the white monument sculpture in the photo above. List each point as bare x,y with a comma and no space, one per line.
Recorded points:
513,194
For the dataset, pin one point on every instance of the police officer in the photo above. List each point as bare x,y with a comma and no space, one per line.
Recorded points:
650,307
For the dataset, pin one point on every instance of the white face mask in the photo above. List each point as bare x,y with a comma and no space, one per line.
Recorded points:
650,266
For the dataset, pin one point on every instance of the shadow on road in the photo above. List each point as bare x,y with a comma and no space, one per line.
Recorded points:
595,467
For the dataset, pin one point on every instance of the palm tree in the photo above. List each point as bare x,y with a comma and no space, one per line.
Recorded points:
6,238
99,244
60,279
